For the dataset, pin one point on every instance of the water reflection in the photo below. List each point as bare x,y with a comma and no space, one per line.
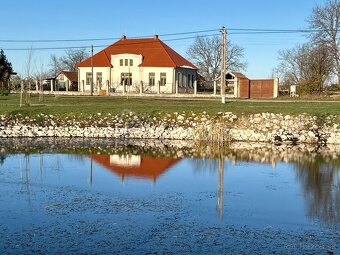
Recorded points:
137,166
317,174
321,184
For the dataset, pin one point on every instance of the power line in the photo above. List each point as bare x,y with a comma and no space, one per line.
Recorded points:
235,31
238,30
97,46
102,39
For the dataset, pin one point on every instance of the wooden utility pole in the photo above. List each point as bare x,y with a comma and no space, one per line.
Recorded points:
223,62
91,70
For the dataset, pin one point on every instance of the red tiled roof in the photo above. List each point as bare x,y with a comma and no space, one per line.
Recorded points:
155,54
237,74
150,168
72,76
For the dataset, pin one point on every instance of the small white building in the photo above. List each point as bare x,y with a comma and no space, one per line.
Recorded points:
67,80
132,65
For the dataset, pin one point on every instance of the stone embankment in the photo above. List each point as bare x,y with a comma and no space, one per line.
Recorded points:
216,128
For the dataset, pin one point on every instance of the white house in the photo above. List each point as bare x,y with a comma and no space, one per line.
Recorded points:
67,80
132,65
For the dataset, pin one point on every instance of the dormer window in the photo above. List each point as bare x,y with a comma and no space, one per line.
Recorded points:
131,62
121,62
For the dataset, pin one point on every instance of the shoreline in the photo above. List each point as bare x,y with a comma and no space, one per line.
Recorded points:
188,126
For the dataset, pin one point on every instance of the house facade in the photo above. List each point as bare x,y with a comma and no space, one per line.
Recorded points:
135,65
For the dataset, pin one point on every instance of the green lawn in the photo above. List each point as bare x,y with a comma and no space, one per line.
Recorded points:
66,105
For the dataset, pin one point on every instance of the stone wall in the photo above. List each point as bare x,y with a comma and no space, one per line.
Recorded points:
217,128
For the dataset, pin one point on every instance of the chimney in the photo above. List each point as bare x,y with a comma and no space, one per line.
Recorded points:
155,37
123,37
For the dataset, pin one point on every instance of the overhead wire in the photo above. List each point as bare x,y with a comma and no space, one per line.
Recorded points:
233,31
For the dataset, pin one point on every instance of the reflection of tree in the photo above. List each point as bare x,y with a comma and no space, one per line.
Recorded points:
2,159
320,181
204,165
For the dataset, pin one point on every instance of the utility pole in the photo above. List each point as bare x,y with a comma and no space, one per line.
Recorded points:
223,62
91,70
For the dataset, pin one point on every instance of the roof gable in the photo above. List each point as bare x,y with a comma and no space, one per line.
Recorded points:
72,76
155,54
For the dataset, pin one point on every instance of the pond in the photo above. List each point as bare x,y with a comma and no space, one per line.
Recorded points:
109,198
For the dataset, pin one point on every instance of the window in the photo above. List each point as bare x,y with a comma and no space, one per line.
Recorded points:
99,78
131,62
88,78
126,78
163,79
126,62
121,62
152,79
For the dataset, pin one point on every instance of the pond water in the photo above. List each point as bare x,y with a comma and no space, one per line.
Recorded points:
54,202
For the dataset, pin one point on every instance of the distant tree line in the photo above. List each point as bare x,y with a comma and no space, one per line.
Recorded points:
315,64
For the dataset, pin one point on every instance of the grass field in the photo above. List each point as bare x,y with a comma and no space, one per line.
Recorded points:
62,106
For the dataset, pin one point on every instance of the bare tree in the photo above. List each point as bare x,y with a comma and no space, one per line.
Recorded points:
56,65
326,21
24,94
73,57
67,62
205,52
307,65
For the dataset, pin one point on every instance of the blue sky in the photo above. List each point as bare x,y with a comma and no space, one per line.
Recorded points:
67,19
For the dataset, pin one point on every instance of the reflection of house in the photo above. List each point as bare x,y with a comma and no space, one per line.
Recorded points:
132,64
246,88
66,80
135,166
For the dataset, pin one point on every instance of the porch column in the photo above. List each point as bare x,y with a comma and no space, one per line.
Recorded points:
67,85
276,87
83,86
140,88
51,85
195,87
236,82
158,87
215,88
124,87
176,87
36,86
108,87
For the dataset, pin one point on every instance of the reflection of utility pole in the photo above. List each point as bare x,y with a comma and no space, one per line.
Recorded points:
91,173
41,165
220,187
